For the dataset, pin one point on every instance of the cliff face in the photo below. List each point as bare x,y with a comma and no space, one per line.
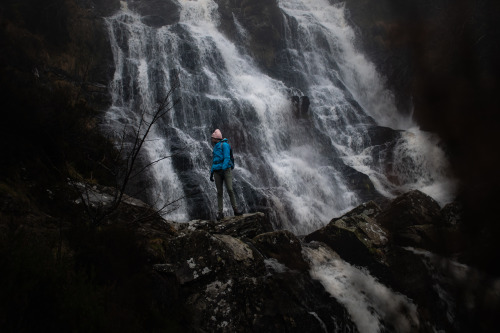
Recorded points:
59,39
56,62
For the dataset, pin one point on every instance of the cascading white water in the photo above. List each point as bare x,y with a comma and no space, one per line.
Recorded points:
323,46
324,42
368,302
132,94
295,167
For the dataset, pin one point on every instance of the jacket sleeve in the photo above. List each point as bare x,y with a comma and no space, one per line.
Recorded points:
227,159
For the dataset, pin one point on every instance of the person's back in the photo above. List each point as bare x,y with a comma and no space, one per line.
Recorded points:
222,164
222,156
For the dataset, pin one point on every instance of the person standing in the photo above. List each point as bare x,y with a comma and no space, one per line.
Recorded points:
221,171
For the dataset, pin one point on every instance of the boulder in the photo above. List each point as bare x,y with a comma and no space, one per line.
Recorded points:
283,246
415,219
426,236
199,254
452,213
355,236
361,220
409,209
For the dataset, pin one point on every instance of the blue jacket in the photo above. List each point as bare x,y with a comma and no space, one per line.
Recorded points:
221,157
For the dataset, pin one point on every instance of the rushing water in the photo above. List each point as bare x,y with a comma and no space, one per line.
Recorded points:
369,303
300,169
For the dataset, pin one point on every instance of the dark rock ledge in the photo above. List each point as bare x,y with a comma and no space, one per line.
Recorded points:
238,275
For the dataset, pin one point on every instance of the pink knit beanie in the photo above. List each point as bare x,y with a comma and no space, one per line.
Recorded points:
217,134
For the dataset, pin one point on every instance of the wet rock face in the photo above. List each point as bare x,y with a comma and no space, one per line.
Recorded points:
349,245
415,219
257,24
355,236
156,13
452,213
282,246
200,255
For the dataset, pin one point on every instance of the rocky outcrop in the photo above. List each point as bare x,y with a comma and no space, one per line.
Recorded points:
231,283
355,236
237,275
410,209
101,7
415,219
245,226
282,246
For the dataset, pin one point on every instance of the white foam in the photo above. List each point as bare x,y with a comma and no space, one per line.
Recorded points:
368,302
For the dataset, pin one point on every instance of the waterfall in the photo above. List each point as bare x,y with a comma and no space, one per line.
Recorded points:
301,170
369,303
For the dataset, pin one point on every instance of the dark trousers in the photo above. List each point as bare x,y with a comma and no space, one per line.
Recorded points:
224,176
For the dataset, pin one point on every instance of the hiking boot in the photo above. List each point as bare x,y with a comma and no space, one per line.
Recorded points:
237,212
220,216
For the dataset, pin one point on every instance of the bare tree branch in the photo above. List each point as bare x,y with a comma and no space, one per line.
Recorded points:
124,163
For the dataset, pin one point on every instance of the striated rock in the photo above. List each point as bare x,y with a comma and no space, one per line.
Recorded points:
425,236
350,245
361,185
283,246
245,226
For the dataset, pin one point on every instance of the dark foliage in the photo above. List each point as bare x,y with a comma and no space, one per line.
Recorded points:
104,286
